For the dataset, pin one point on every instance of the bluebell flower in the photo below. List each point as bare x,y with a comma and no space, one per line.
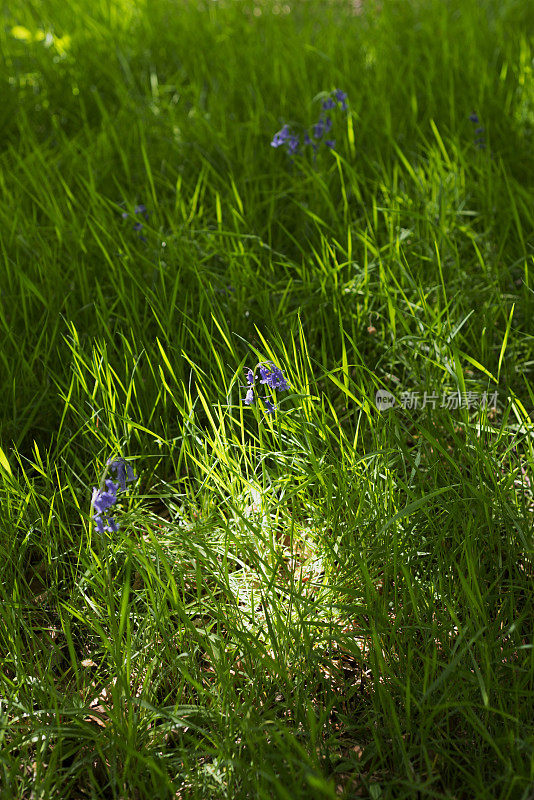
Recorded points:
270,409
281,137
286,138
99,523
273,377
124,471
341,97
105,524
331,143
106,496
270,375
111,487
308,141
265,373
480,143
138,226
293,145
140,209
103,499
318,129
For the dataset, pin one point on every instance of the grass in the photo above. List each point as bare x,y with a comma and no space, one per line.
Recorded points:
333,600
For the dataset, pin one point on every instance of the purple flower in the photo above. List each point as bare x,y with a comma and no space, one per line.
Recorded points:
284,137
341,97
480,143
270,375
281,137
309,141
105,524
322,126
270,409
140,209
318,129
103,499
273,377
313,136
138,226
99,522
265,373
124,472
293,145
331,143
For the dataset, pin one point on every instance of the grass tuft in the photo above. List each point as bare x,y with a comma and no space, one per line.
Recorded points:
332,598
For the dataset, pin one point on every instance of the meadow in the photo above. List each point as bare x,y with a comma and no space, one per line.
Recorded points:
266,399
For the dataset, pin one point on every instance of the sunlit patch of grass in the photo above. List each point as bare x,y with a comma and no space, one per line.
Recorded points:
322,599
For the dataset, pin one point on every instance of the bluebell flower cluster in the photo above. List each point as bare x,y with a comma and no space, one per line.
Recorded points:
318,134
271,376
138,226
106,497
102,500
124,471
480,142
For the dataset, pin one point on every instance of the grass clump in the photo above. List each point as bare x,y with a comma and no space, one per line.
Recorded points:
266,411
